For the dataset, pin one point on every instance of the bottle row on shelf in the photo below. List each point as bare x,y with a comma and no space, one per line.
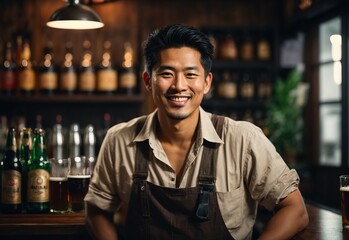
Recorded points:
19,74
241,44
241,85
62,141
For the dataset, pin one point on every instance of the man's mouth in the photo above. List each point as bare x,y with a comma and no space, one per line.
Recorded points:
178,99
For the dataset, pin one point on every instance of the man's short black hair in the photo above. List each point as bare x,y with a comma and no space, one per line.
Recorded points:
176,36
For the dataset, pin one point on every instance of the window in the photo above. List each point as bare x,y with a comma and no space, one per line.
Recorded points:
330,97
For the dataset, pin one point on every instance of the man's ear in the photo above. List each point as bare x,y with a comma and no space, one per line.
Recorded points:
208,82
147,80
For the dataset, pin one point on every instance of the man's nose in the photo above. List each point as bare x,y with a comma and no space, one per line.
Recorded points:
180,82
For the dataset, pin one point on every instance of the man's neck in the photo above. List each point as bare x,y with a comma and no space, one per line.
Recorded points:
177,132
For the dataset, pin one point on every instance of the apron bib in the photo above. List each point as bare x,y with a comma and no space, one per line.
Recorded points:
156,212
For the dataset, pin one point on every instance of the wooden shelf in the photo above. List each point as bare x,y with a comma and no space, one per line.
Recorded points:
79,98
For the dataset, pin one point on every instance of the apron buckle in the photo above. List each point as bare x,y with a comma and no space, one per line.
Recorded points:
204,199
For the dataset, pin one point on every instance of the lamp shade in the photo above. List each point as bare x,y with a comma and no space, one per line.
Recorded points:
75,16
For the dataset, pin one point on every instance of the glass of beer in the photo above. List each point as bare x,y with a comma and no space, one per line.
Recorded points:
59,185
344,190
78,182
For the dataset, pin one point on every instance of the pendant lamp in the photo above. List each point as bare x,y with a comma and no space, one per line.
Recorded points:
75,16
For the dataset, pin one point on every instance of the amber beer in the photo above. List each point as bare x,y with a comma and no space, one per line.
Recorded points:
59,194
345,205
78,187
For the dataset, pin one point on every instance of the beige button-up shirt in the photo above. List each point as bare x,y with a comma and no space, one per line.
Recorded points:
249,171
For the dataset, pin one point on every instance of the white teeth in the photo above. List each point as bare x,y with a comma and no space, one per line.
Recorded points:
179,99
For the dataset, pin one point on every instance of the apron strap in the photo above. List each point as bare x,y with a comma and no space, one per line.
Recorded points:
141,170
208,170
208,166
142,155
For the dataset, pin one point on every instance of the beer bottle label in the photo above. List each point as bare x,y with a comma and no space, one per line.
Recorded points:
107,80
128,80
87,81
11,187
38,186
8,80
48,80
27,79
68,81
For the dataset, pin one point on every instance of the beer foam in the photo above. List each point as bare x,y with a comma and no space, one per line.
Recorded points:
344,189
58,179
79,176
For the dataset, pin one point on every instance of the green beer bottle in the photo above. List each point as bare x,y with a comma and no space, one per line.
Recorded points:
39,168
25,148
11,201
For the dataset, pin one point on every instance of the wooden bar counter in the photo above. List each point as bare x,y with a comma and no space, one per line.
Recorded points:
66,226
323,225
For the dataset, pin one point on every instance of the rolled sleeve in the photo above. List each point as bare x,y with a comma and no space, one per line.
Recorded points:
286,184
269,178
102,189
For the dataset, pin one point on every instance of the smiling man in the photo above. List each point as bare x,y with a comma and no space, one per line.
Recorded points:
183,173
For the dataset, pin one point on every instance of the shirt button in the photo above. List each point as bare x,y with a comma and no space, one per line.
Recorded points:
173,179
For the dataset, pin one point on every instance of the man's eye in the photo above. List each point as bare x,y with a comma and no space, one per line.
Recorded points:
165,74
192,75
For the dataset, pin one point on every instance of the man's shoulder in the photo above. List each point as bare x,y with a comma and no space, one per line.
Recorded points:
239,127
128,128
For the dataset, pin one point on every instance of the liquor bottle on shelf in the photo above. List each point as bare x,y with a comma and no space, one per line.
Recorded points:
39,168
228,49
74,141
68,75
87,77
48,79
57,142
127,72
3,135
90,142
264,86
8,71
247,48
19,49
38,121
263,48
11,177
26,73
227,87
247,89
106,74
25,148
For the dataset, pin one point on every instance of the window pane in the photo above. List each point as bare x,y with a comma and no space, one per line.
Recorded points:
330,82
330,40
330,134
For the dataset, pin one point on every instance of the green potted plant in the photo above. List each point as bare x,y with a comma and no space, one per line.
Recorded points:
284,116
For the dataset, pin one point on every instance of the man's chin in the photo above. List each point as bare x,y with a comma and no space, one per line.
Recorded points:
178,115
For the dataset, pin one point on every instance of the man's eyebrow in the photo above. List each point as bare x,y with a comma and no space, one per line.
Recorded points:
167,67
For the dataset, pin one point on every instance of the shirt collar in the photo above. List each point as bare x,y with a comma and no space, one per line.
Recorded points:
208,131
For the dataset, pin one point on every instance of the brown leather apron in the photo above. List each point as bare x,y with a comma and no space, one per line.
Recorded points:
157,212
